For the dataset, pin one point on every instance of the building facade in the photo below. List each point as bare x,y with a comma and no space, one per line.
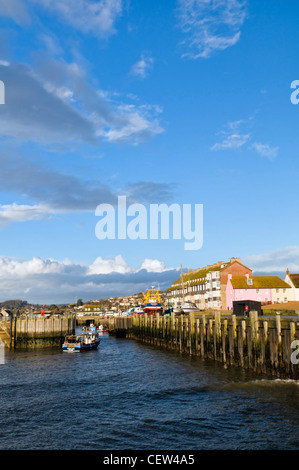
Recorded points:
206,287
293,281
264,289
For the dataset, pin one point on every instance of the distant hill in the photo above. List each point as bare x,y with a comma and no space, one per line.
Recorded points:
13,304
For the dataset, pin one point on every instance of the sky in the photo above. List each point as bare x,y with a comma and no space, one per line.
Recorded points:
174,102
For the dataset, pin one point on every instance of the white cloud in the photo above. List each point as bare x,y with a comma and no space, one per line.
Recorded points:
142,67
238,133
232,141
211,25
153,265
275,261
56,104
52,281
16,268
96,17
107,266
265,150
21,213
132,125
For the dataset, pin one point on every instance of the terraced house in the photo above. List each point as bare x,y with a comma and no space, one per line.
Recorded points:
264,289
206,286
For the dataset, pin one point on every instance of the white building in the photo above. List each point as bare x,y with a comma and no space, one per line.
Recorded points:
293,281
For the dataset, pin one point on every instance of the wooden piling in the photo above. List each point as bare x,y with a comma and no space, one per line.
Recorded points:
255,343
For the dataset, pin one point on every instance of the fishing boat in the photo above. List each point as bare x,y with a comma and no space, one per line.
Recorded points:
152,301
88,340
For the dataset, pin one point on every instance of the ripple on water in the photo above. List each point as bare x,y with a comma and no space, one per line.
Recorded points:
128,395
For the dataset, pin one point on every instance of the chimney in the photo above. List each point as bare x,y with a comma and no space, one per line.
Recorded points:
233,260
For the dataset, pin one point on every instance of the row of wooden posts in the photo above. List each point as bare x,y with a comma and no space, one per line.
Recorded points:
33,332
264,345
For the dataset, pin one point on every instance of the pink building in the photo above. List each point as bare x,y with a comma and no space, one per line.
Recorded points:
264,289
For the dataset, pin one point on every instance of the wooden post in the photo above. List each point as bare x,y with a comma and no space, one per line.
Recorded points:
231,342
249,344
196,335
190,326
263,336
217,331
202,336
223,335
181,332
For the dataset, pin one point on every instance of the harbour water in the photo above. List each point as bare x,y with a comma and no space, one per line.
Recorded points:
127,395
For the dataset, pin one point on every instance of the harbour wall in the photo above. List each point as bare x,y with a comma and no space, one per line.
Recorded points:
39,332
265,345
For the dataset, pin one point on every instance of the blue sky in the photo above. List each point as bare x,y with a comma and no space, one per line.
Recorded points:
183,102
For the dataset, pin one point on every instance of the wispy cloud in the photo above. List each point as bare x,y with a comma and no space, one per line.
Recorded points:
143,66
233,141
96,17
234,136
237,134
275,261
210,25
266,150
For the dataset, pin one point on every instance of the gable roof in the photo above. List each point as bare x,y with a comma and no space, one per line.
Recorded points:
295,279
259,282
228,265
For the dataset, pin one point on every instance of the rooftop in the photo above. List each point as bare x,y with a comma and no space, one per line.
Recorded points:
259,282
295,279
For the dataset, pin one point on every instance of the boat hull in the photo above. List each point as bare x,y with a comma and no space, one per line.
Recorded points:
88,341
79,347
152,308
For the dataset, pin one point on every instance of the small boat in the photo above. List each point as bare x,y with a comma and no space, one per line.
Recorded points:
76,343
188,307
102,329
139,310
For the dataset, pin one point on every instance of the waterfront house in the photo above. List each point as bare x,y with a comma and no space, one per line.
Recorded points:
92,309
206,287
264,289
293,281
